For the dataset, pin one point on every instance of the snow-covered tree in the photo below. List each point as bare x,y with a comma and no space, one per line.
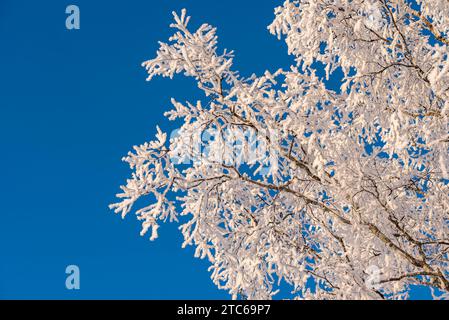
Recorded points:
341,193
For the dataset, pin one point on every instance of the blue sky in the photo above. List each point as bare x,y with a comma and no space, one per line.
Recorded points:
72,103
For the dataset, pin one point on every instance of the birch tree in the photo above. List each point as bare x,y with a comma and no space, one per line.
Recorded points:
340,193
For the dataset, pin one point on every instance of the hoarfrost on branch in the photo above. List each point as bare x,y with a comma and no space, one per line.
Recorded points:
346,194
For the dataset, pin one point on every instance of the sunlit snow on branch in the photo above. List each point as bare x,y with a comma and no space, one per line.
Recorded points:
340,194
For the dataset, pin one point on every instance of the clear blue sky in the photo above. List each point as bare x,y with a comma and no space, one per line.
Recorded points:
72,104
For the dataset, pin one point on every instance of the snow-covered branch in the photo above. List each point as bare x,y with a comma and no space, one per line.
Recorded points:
342,194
